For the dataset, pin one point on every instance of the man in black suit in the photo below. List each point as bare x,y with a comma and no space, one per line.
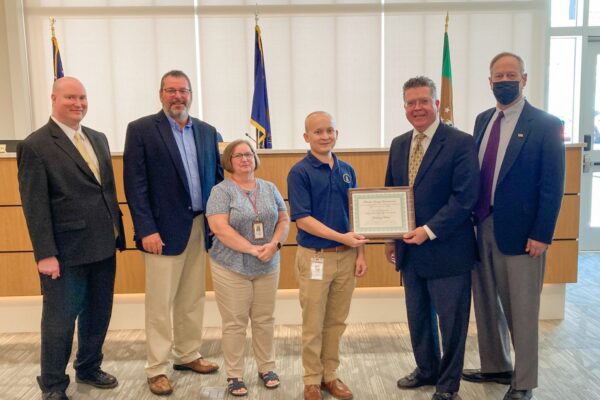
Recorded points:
522,182
70,204
171,163
436,258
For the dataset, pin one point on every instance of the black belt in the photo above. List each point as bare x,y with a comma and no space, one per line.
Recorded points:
196,213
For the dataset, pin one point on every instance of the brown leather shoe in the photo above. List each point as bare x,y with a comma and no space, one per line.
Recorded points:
337,389
160,385
199,365
312,392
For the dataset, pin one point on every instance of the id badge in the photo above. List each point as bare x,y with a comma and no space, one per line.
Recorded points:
316,268
258,230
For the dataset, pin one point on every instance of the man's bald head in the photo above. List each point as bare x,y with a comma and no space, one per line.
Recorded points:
317,114
321,134
66,81
69,101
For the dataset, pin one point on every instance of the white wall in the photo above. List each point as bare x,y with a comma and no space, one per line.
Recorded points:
7,125
348,59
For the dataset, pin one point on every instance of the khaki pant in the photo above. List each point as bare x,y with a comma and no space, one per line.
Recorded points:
175,294
240,298
325,307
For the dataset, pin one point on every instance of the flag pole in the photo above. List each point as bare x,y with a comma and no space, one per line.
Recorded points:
446,101
56,60
259,116
256,131
447,19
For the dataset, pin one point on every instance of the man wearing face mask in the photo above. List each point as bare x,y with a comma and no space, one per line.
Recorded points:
521,155
171,163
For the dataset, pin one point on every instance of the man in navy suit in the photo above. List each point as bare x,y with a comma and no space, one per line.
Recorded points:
522,183
171,162
436,258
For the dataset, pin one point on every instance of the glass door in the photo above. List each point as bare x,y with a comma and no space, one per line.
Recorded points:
589,224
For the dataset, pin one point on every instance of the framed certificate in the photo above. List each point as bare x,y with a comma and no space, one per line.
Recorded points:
382,213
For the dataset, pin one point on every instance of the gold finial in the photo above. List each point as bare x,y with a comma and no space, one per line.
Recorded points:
52,21
447,19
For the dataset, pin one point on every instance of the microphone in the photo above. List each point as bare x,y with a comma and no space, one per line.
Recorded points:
250,137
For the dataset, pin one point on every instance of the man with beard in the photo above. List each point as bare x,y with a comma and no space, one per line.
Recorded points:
522,161
171,162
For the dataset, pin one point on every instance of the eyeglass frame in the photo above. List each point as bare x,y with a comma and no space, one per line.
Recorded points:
423,102
248,156
173,91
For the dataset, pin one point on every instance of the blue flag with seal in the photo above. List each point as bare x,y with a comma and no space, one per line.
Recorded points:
260,117
56,60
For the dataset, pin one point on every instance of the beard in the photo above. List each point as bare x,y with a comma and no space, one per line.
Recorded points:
178,113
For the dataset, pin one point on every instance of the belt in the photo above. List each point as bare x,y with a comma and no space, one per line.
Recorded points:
336,249
196,213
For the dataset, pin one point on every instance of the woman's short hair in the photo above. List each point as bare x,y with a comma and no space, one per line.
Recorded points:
228,152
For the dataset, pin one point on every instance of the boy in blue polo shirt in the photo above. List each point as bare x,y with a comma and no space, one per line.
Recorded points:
329,257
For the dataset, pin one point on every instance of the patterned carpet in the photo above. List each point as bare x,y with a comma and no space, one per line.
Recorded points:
374,356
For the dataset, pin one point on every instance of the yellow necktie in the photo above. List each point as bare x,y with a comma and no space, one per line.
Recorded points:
88,159
86,156
415,159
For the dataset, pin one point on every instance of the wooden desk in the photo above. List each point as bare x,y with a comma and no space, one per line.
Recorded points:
17,266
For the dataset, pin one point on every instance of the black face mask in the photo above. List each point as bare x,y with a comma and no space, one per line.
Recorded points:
506,91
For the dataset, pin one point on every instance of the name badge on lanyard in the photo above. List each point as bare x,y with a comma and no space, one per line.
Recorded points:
258,228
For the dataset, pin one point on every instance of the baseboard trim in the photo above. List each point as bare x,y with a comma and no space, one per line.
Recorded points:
23,313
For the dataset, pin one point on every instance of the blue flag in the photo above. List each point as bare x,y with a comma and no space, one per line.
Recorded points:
56,61
572,9
260,103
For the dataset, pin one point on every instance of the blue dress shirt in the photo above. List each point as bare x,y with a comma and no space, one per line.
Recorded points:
187,148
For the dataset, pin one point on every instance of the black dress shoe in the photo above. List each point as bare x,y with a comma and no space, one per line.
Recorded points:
413,380
99,379
475,375
60,395
514,394
445,396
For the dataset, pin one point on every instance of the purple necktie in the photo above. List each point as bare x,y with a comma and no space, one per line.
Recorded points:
488,165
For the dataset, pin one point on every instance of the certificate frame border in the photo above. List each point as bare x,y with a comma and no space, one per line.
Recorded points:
410,212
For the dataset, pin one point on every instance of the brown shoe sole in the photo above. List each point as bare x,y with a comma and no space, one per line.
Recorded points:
208,370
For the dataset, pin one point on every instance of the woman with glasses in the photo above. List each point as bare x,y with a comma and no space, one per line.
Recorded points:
249,219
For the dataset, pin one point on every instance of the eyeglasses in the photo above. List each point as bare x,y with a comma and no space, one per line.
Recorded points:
422,102
172,91
247,156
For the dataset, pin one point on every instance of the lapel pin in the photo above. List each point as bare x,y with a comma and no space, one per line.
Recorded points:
520,135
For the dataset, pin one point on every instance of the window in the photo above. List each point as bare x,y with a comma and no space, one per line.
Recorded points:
348,57
564,83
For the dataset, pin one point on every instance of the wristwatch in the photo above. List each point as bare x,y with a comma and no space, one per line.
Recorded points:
278,244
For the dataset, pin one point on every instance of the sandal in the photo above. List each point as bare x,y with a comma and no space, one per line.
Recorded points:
270,379
236,387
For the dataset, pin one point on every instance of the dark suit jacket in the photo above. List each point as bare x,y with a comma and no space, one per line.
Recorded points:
156,185
531,182
445,189
69,214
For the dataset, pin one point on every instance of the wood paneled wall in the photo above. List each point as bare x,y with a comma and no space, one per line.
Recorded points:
19,272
